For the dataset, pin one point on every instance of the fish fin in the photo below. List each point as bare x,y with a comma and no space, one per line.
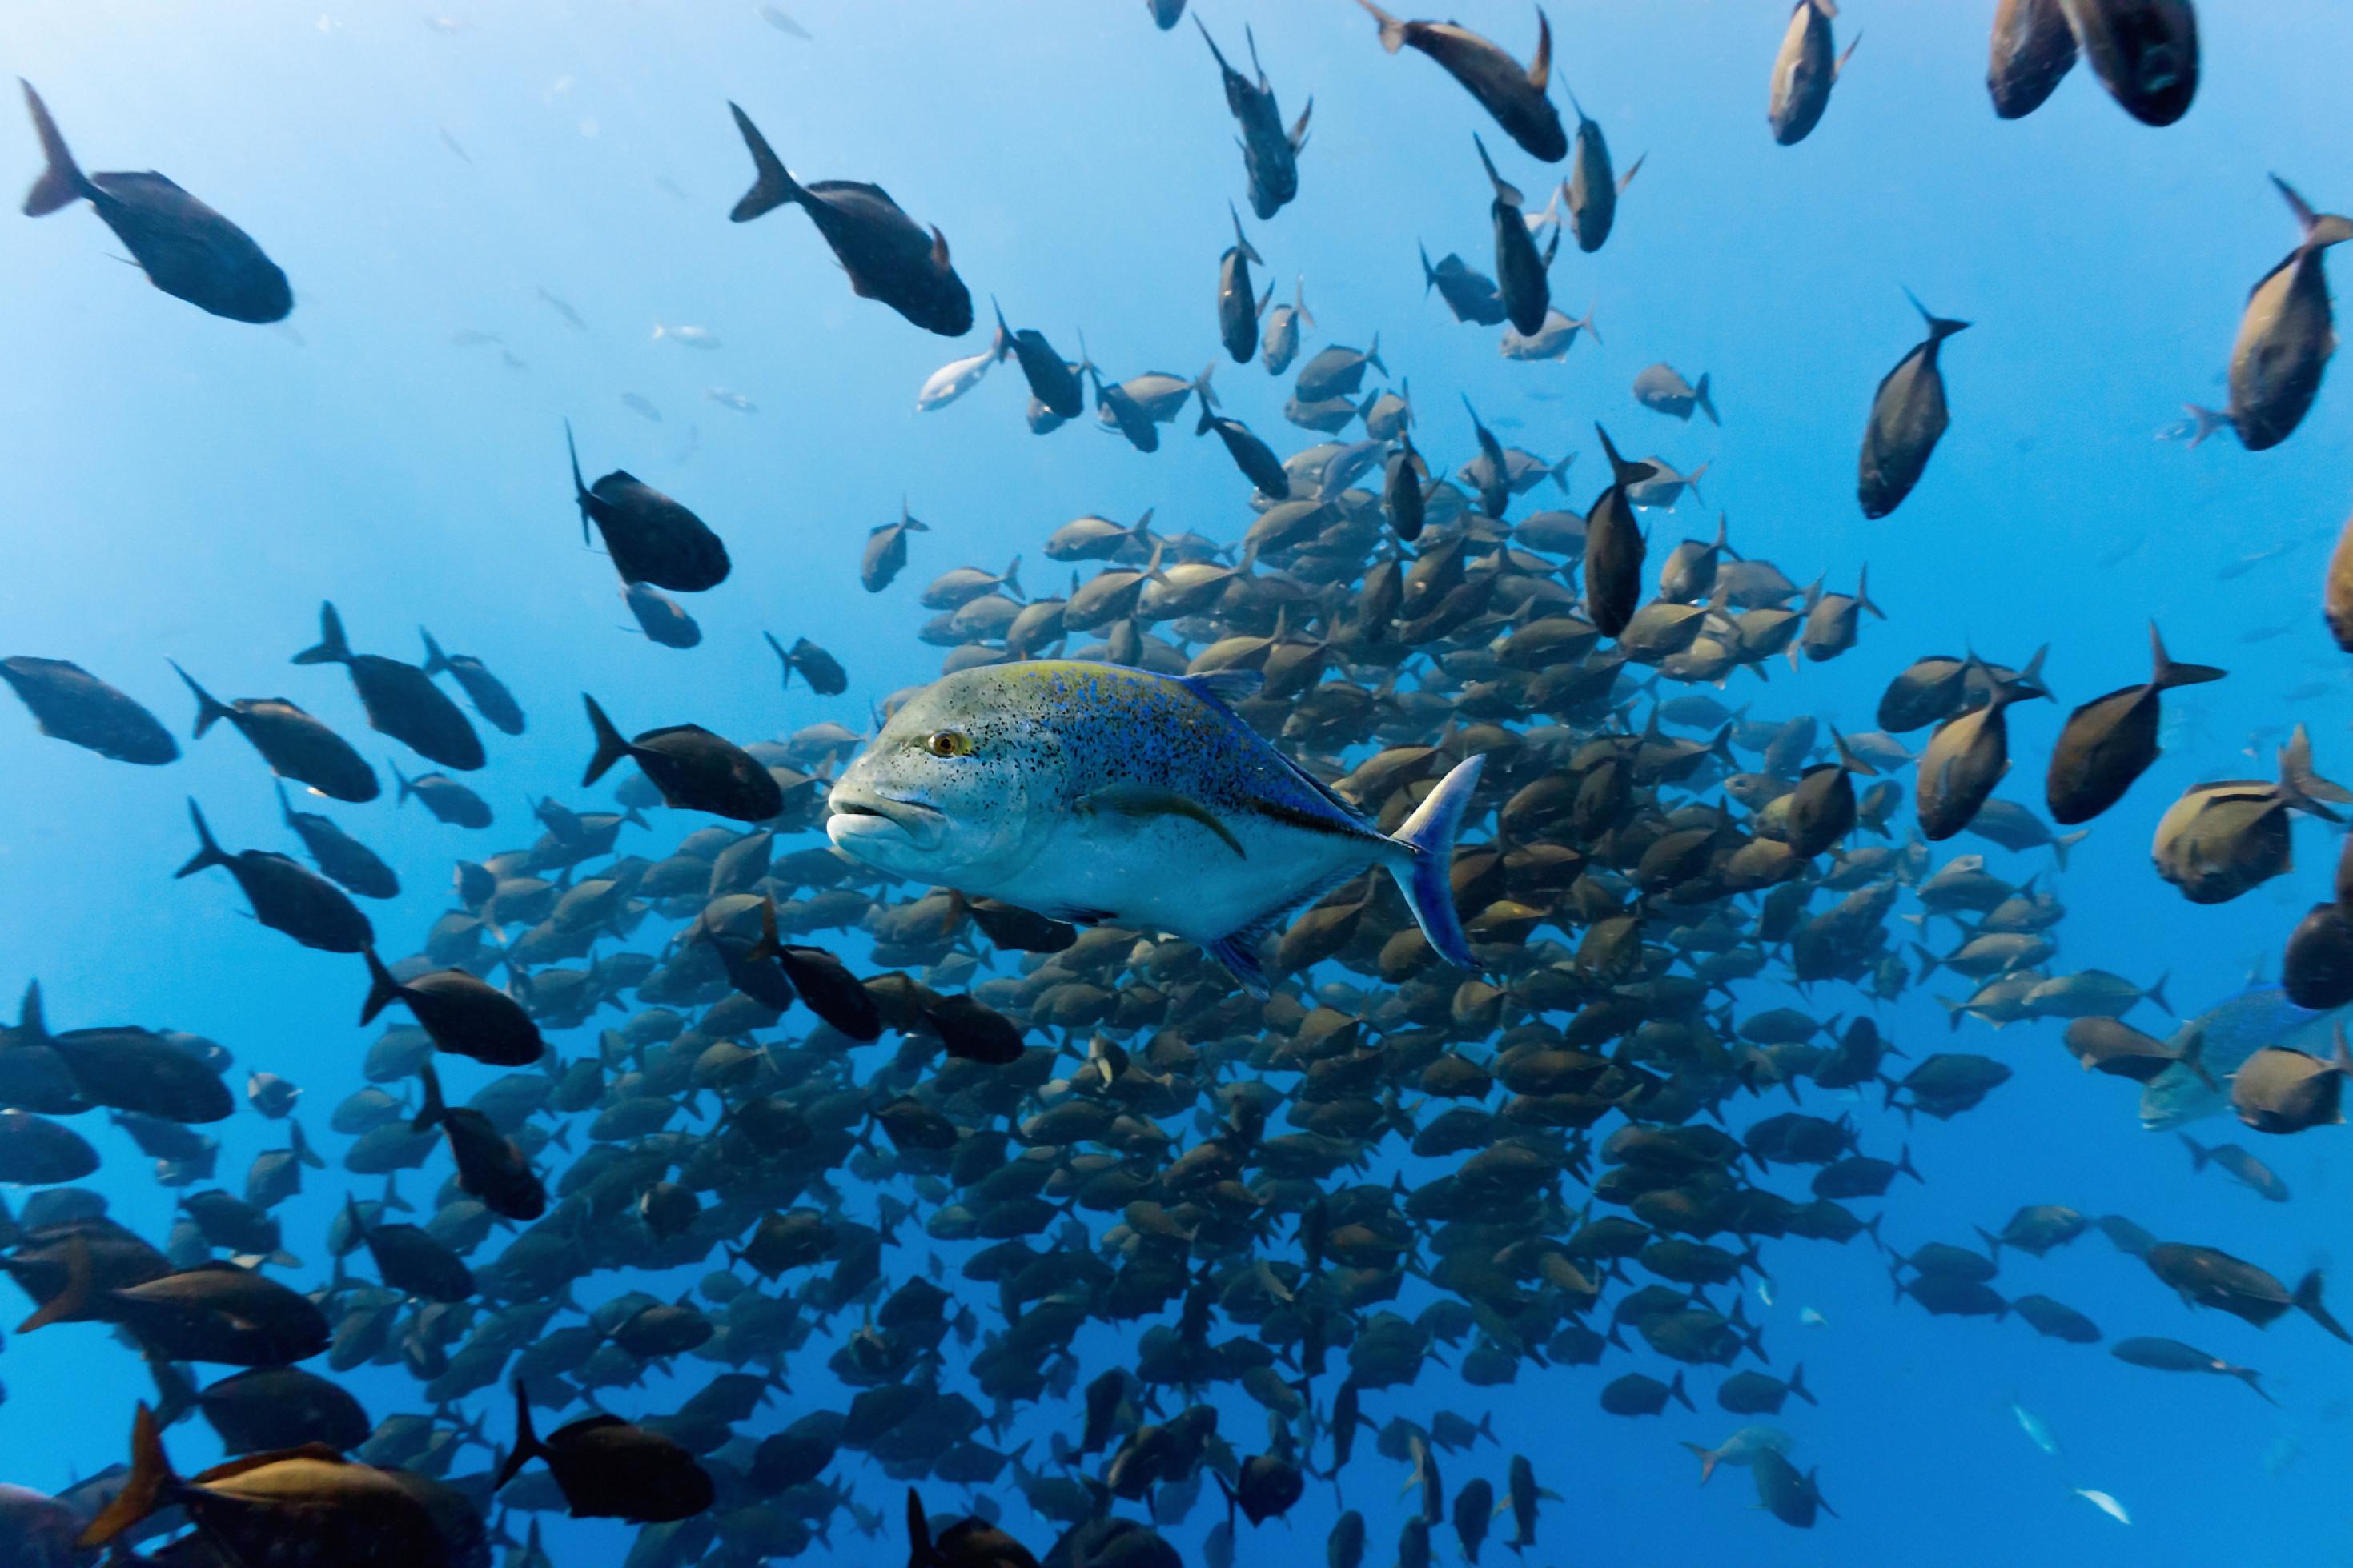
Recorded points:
2164,674
1700,397
1224,688
29,1019
782,656
1299,136
1241,240
383,989
527,1445
332,649
210,709
2308,1289
940,249
1505,192
2320,229
1393,31
435,661
772,187
63,182
1940,327
150,1480
1540,67
2302,788
1238,950
74,1299
1627,178
610,745
435,1109
209,852
1424,873
1624,473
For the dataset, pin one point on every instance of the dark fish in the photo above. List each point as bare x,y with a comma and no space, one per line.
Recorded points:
1270,153
662,618
650,537
1052,381
1594,186
2285,334
1253,457
2172,1355
888,256
1515,97
693,769
187,250
1663,390
344,860
886,550
486,691
286,896
2110,741
1613,546
293,744
1804,72
2032,51
464,1014
401,700
1471,295
490,1165
2144,51
819,669
1908,416
71,704
609,1468
1237,302
1520,267
444,796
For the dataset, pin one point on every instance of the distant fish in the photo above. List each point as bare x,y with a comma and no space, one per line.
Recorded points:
784,24
451,143
571,316
726,399
956,377
2104,1503
640,405
686,337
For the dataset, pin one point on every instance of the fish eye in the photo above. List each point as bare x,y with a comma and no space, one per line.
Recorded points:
949,743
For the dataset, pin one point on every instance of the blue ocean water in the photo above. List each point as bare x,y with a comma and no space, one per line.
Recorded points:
189,488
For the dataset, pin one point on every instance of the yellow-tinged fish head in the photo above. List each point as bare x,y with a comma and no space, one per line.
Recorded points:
960,788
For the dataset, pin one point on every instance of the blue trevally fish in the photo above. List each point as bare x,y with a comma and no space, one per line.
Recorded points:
2232,1031
1094,792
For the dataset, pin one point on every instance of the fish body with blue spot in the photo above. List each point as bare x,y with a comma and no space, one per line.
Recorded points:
2227,1035
1094,791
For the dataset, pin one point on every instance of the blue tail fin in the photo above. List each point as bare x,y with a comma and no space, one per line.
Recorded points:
1426,879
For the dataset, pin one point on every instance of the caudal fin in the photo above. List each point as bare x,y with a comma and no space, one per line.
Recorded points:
2319,228
1392,30
1707,1457
1425,874
2307,1291
209,852
435,661
1706,404
526,1444
383,989
772,187
2165,673
611,746
151,1477
332,649
210,709
435,1109
62,182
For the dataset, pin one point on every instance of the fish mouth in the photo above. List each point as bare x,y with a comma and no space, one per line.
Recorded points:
861,817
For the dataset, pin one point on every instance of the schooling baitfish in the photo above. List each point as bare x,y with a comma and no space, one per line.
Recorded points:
1092,792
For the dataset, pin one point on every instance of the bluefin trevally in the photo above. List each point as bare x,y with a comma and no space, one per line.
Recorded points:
2234,1030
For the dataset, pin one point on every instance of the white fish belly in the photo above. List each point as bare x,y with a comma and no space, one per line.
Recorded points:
1172,874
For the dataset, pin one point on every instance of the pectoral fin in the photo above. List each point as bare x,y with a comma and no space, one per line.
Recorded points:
1141,802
